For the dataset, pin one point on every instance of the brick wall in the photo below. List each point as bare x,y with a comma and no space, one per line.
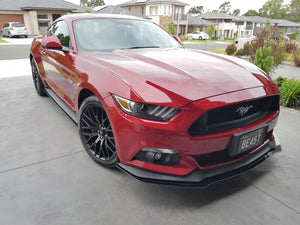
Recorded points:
165,21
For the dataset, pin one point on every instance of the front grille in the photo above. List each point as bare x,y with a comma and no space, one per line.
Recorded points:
231,116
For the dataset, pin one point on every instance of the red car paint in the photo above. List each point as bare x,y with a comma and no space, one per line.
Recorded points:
192,80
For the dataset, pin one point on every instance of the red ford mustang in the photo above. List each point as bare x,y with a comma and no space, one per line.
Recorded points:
144,104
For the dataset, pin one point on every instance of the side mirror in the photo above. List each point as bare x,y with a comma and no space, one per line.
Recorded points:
53,42
177,39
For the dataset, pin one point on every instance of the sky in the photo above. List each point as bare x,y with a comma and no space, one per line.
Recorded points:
243,5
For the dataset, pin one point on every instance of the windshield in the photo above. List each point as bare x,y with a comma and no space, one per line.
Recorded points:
111,34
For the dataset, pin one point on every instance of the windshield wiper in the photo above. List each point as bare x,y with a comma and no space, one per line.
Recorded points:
136,47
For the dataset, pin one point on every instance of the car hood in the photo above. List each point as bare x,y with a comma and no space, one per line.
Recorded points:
175,77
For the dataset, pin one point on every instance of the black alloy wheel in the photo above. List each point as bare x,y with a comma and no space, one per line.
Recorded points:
38,84
96,133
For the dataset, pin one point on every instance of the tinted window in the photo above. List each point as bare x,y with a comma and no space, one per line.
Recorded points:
17,25
111,34
60,29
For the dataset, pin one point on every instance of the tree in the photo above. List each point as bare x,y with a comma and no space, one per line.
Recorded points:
211,30
295,6
236,12
251,12
294,14
91,3
171,29
196,9
273,9
225,7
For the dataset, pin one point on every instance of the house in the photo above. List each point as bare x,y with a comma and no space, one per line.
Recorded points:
224,24
249,25
196,24
35,15
286,26
162,12
111,9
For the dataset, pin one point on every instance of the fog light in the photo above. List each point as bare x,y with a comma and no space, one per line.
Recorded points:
165,157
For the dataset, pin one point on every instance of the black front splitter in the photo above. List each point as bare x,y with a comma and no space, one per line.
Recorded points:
202,178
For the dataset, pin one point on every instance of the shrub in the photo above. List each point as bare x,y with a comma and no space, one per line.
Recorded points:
239,53
247,49
171,29
290,46
280,80
278,51
182,37
231,49
290,93
293,36
296,59
263,59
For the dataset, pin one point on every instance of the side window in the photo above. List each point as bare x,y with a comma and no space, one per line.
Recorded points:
60,29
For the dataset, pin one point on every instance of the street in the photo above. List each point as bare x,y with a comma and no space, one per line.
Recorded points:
46,177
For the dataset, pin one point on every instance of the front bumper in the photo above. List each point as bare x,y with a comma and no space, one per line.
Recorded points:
201,178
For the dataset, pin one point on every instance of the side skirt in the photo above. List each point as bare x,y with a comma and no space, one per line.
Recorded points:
60,103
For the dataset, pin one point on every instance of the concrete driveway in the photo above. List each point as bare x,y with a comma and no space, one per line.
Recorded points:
47,178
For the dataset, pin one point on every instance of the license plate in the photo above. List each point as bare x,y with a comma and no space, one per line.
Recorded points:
248,140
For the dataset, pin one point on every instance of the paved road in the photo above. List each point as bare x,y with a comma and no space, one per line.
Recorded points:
47,178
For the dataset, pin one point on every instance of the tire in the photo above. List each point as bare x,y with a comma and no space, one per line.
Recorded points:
38,84
200,38
96,133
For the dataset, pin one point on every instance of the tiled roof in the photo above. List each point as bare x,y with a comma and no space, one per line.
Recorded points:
195,21
216,16
255,19
284,23
20,5
110,9
145,2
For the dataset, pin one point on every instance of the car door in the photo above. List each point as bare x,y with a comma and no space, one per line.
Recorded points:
59,66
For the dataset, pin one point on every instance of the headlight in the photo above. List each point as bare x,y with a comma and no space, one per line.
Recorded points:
147,111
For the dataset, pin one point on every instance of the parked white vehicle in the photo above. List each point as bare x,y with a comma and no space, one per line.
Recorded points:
197,35
12,29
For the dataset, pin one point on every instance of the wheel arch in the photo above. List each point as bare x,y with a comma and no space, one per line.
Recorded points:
84,93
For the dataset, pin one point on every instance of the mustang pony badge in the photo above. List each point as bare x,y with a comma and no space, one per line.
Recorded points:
243,110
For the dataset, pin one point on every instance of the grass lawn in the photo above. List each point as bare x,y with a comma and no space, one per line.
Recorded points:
289,57
220,51
2,41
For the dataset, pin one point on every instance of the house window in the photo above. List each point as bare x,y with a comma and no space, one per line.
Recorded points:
42,17
43,24
142,10
153,10
55,16
249,26
169,10
165,10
